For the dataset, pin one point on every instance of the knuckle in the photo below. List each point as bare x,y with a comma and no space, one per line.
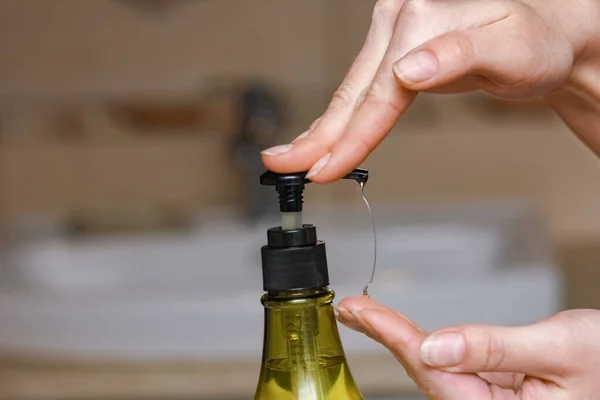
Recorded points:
568,325
531,61
494,351
458,46
413,8
531,66
365,146
378,96
342,97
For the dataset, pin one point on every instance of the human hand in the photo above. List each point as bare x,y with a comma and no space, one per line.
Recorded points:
509,48
558,358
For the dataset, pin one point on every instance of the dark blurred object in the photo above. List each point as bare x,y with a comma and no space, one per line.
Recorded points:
249,113
68,125
154,6
146,117
160,218
212,111
261,122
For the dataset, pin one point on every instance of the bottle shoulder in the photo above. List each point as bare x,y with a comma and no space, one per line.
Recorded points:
330,380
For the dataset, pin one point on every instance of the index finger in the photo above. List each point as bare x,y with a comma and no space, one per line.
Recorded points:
383,103
374,118
404,339
408,336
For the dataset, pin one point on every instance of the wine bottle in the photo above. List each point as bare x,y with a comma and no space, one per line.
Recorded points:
303,357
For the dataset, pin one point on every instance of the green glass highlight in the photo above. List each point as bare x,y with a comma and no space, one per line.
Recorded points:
303,356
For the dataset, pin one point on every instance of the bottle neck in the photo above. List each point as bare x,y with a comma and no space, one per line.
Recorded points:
299,324
303,356
286,298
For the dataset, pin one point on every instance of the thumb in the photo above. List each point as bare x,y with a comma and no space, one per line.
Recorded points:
532,350
452,56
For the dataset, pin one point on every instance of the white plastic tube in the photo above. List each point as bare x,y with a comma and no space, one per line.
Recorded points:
291,220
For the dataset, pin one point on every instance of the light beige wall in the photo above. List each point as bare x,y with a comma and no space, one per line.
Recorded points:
99,49
346,28
442,150
469,156
100,46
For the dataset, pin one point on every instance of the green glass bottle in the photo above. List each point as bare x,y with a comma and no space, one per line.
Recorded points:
303,357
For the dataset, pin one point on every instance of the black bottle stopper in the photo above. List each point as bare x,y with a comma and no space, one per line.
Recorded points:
291,186
294,259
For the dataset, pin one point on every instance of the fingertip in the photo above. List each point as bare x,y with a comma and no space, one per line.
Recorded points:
369,313
297,157
275,158
358,303
341,161
273,163
316,168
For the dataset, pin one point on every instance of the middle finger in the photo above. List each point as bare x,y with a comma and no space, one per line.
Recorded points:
331,125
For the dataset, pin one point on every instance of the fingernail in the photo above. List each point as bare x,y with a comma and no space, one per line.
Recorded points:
319,165
302,136
443,350
274,151
416,67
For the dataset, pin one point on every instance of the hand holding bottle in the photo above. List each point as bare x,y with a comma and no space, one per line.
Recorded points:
509,48
558,358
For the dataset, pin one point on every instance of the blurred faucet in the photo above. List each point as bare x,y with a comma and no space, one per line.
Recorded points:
261,121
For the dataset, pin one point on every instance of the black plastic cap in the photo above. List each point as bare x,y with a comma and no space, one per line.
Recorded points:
291,186
294,268
305,236
294,260
270,178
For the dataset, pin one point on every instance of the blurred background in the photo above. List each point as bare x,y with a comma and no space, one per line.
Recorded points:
131,216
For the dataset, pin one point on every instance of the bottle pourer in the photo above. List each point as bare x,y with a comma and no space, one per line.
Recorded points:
294,259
